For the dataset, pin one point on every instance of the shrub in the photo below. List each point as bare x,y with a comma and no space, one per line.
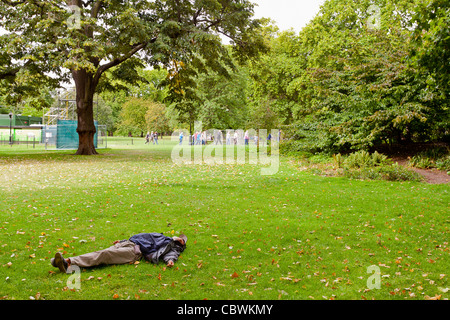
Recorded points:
338,160
375,166
393,172
421,162
319,158
363,159
396,172
443,163
432,158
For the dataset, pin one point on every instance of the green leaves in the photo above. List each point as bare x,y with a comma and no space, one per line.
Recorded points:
341,84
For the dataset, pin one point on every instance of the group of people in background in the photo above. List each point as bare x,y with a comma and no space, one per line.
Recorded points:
201,138
153,137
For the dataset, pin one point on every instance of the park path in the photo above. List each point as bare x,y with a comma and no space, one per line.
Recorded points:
432,176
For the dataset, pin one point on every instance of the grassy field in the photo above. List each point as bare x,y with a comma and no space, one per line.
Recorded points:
293,235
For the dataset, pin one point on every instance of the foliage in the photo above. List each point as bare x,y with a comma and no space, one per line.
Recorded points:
393,172
156,119
223,100
372,166
343,84
363,159
438,157
120,36
432,39
271,78
139,115
443,164
133,116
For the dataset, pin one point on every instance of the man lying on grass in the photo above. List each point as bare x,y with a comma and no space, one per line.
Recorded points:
153,247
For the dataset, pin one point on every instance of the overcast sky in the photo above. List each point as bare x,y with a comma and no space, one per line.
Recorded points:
288,13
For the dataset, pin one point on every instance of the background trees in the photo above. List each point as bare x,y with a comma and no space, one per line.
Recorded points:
92,37
358,76
361,74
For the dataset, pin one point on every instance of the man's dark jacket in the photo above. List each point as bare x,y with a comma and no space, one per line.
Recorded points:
156,246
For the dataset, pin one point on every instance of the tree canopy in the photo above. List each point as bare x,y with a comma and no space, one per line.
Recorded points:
81,40
362,73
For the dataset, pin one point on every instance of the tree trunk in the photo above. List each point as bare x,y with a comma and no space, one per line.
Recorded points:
85,89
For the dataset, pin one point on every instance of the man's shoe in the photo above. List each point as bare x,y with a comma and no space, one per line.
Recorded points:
60,262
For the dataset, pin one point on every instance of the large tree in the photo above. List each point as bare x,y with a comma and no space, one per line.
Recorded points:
348,80
80,40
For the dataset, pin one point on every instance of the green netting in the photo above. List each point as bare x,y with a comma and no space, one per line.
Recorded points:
67,136
48,135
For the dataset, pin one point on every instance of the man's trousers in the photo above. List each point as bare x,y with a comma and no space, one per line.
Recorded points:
121,253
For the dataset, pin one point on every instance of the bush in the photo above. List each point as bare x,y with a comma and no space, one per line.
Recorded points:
443,163
396,172
432,158
319,158
363,159
422,162
293,148
375,166
393,172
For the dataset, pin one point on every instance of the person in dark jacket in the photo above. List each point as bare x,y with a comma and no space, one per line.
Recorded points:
153,247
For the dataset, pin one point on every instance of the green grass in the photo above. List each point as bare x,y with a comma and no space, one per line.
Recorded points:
292,235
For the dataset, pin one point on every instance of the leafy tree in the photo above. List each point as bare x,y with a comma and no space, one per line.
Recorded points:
94,36
149,85
430,53
132,116
104,114
223,99
156,118
347,80
273,74
114,100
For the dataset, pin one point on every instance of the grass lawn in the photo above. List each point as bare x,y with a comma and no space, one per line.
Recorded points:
293,235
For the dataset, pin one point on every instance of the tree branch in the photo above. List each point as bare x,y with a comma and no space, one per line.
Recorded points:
119,60
14,71
11,3
96,8
9,73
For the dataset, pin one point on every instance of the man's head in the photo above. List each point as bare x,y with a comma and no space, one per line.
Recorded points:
182,239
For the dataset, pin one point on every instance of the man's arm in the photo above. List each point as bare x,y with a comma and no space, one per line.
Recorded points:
171,257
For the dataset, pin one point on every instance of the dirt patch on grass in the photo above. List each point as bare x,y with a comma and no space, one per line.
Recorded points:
402,153
432,176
